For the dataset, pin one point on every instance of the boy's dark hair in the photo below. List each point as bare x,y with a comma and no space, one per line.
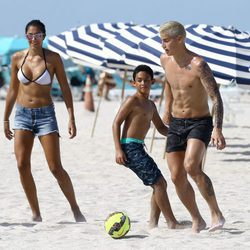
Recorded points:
144,68
36,23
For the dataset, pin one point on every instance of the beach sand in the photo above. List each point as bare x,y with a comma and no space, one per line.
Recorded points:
103,187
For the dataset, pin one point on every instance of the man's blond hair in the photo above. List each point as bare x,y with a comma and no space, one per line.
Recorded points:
172,29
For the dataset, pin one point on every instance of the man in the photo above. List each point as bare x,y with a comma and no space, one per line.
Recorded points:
189,82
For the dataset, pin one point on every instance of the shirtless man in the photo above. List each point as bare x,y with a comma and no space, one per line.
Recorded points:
189,82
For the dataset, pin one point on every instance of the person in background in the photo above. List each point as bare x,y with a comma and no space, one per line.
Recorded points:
105,84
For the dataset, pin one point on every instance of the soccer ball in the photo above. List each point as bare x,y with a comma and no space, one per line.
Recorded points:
117,225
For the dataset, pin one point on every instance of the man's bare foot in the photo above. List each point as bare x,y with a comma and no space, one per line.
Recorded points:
79,217
198,225
218,222
37,218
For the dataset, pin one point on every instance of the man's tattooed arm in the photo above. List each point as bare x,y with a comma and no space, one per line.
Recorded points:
208,81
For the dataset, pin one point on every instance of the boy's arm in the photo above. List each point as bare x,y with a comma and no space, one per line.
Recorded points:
160,126
168,104
121,116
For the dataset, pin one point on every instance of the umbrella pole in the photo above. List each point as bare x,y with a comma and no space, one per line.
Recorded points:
96,114
123,85
159,108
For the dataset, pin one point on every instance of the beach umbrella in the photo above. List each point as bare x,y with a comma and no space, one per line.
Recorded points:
227,51
124,46
123,49
9,45
58,44
85,43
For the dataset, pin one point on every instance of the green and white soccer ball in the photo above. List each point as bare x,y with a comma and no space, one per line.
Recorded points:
117,225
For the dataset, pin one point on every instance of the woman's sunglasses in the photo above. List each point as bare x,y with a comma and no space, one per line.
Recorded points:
37,36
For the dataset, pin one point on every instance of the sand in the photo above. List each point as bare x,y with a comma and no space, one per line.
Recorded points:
103,187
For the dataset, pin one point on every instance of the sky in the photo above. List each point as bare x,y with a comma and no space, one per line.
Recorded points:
62,15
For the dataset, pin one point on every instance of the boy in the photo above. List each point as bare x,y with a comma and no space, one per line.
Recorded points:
137,112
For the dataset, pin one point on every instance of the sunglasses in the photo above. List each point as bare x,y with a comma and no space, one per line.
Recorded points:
37,36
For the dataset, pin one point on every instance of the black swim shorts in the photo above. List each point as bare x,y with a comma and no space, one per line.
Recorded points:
180,130
141,163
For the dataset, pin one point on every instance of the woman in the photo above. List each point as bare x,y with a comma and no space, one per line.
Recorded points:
32,71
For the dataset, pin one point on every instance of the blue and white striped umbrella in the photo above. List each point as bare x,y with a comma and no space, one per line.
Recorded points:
227,51
58,44
85,43
124,47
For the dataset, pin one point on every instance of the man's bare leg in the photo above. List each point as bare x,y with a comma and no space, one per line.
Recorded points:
193,162
23,147
184,189
206,188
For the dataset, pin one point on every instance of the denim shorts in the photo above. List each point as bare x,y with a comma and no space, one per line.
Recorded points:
40,121
180,130
141,163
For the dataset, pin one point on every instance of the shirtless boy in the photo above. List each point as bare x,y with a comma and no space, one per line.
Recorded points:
189,82
137,112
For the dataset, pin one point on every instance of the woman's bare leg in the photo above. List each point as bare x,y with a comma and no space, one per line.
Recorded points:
50,144
23,146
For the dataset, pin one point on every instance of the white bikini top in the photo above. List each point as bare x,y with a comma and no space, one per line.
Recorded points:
43,79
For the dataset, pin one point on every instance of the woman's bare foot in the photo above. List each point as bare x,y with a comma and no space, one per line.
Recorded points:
37,218
79,217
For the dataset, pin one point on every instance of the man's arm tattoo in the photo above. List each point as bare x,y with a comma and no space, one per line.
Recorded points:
210,84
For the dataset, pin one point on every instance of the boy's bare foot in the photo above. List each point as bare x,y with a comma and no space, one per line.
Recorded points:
37,218
198,225
79,217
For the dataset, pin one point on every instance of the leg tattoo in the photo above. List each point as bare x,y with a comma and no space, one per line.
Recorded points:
209,186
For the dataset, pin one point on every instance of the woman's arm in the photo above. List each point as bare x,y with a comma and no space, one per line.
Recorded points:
66,92
11,95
